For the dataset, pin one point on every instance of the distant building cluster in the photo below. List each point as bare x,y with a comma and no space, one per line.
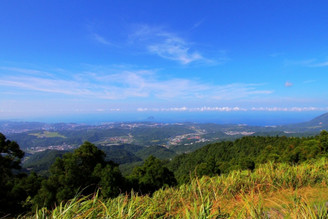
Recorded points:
63,147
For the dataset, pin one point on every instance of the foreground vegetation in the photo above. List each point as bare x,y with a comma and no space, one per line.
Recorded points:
83,171
247,153
270,191
241,180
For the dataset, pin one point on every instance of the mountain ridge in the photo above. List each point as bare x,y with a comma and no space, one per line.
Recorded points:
314,125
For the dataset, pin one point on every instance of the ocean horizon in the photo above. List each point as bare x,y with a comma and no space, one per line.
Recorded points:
249,118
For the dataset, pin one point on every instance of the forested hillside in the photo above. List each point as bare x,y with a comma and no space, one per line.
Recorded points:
81,172
41,162
247,153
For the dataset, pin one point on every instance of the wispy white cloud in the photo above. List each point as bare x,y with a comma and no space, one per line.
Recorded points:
45,85
309,81
193,109
308,63
232,109
175,50
197,24
124,84
25,71
288,84
320,64
101,39
239,90
289,109
167,45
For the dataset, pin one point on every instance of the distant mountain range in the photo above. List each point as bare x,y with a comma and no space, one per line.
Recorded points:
314,125
181,137
130,143
10,127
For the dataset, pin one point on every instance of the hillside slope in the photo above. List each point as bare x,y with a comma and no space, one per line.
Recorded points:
315,125
40,162
270,191
246,153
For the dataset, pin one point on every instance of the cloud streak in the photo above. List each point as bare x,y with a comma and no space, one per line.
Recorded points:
167,45
232,109
192,109
125,84
101,39
320,64
238,91
308,63
25,71
288,84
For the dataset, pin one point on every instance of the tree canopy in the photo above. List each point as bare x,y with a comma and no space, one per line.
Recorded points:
10,160
80,172
246,153
152,175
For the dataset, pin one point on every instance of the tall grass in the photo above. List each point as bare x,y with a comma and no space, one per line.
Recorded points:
270,191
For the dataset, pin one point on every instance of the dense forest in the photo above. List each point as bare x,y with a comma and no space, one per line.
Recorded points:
246,153
86,170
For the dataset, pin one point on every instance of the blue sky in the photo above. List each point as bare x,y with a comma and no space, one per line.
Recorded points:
89,57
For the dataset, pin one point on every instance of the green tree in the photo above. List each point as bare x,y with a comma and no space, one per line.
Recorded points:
10,160
111,181
247,163
152,175
10,157
79,172
208,168
323,138
203,169
23,190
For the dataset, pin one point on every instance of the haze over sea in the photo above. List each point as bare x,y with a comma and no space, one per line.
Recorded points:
249,118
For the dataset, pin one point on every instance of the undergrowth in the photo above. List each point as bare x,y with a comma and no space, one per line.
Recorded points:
270,191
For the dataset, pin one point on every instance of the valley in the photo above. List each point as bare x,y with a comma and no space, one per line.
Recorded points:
130,143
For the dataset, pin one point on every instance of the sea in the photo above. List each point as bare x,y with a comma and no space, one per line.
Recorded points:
257,118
